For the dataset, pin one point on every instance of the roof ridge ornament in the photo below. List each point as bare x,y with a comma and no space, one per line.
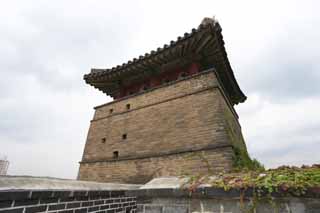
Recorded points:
207,21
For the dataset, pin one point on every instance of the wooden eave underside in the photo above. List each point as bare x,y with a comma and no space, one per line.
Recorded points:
204,44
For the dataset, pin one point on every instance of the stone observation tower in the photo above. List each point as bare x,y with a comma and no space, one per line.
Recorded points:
173,113
4,165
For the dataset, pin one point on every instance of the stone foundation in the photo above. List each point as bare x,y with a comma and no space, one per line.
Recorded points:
143,170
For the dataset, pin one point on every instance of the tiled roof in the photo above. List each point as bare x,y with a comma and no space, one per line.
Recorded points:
204,43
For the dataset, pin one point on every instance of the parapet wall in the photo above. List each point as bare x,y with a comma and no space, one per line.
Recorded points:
31,195
216,200
221,202
166,195
205,200
163,195
24,201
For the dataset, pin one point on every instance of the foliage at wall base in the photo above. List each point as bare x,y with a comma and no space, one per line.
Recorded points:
242,161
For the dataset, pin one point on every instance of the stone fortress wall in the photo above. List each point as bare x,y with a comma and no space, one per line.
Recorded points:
32,194
179,128
162,195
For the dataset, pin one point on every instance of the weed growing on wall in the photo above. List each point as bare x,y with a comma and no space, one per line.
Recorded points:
288,181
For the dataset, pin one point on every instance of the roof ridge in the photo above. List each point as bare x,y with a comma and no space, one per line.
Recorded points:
209,21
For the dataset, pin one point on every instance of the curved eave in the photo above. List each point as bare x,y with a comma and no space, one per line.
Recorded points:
239,96
207,37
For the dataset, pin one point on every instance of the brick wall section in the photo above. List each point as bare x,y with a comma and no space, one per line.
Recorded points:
232,126
143,170
217,200
184,116
24,201
170,90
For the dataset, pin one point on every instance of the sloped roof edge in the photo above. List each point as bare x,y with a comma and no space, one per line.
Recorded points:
207,25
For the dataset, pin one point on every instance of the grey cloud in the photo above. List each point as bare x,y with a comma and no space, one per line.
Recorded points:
287,67
58,45
296,153
46,47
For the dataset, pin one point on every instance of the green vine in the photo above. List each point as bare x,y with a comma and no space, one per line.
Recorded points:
291,181
242,161
249,173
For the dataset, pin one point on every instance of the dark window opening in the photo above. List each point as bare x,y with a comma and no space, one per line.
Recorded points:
115,154
124,136
103,140
111,111
183,75
128,106
145,87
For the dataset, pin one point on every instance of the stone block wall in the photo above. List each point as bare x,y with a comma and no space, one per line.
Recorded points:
215,200
143,170
66,201
163,195
134,139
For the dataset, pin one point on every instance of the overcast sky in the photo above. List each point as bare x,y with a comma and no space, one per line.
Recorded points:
47,46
